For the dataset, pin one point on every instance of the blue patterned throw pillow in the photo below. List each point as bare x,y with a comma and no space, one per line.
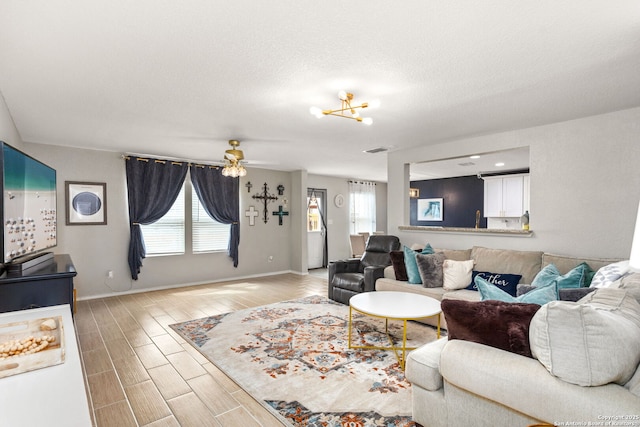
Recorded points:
506,282
539,296
608,274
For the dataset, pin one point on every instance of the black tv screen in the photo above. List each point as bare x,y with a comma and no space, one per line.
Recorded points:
28,204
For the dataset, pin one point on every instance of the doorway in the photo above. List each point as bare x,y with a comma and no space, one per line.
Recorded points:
316,228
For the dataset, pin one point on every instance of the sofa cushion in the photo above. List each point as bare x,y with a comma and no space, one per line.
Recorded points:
633,385
631,284
430,269
495,323
538,296
457,274
570,294
413,275
506,282
384,284
399,269
592,342
455,254
462,295
351,281
525,263
423,365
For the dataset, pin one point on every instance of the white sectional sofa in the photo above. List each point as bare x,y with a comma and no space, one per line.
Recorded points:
461,383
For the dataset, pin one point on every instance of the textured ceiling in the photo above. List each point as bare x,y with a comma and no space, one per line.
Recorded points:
180,78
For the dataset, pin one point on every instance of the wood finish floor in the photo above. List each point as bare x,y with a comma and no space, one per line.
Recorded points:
139,372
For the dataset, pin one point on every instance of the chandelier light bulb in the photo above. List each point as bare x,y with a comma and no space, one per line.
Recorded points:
367,120
342,95
315,111
374,104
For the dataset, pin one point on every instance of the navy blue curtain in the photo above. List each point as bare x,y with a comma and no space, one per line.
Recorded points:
152,186
220,197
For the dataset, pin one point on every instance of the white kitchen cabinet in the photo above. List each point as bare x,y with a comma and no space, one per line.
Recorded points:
504,196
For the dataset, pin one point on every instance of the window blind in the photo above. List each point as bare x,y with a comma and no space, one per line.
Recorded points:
207,234
166,236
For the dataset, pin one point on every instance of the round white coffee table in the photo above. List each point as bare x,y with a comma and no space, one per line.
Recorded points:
396,306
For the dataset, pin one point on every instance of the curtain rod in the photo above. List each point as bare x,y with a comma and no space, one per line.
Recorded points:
173,160
361,182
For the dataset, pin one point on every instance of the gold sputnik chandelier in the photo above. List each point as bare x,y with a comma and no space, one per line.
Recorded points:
347,110
232,157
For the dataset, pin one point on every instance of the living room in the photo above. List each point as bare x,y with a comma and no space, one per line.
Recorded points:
584,176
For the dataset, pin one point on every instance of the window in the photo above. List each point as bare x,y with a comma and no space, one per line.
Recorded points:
314,221
166,236
207,234
362,207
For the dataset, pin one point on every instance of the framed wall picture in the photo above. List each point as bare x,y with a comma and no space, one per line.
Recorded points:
86,203
429,209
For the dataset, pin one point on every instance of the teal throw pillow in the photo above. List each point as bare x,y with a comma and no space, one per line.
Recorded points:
550,275
539,296
411,265
588,275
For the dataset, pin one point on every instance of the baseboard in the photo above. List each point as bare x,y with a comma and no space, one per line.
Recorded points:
184,285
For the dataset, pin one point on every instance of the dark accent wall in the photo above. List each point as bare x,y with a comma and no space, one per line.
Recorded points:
462,196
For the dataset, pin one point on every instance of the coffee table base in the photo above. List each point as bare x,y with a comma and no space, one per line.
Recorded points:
400,352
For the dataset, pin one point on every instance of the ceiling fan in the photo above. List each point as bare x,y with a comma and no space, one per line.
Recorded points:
233,157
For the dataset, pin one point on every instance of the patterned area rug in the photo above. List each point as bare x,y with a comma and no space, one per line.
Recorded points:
294,357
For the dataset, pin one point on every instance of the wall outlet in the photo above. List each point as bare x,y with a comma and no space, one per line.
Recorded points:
110,274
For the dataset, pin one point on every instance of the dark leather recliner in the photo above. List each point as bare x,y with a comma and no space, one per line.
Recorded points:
353,276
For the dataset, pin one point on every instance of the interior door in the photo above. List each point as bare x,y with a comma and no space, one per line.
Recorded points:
316,228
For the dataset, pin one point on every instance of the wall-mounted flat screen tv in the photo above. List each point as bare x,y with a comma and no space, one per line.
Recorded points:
28,204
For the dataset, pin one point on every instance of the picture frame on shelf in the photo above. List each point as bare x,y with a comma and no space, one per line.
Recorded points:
86,203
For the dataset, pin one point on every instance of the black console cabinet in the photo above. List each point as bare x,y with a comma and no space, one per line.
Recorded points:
41,286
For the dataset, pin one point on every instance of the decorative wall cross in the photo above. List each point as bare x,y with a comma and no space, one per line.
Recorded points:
248,185
280,214
252,213
266,198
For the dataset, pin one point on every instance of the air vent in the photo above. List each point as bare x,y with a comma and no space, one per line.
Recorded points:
376,150
466,164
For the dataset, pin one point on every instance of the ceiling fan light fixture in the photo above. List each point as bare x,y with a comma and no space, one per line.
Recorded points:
232,157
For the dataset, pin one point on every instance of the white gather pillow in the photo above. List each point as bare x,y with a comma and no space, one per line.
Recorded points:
592,342
457,274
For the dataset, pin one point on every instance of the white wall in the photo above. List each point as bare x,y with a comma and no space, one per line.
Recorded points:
95,249
585,186
8,131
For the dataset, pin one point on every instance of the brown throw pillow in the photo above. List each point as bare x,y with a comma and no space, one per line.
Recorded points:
499,324
399,268
430,269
